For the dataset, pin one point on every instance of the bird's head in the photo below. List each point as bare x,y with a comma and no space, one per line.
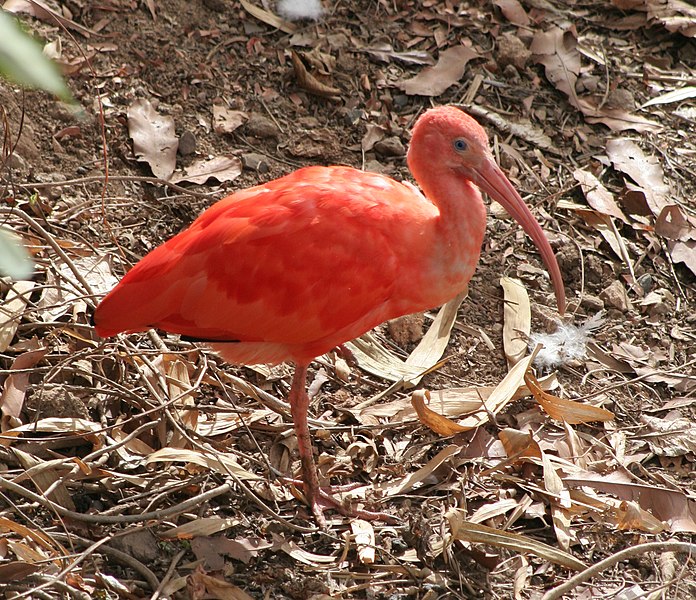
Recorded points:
448,144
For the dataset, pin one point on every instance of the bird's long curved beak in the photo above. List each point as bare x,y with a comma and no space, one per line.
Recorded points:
493,181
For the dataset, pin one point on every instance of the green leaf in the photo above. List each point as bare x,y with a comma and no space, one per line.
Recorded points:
14,259
23,62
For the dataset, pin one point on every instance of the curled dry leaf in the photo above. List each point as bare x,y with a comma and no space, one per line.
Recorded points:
565,410
16,385
519,444
434,421
432,81
598,197
308,81
364,535
11,310
154,138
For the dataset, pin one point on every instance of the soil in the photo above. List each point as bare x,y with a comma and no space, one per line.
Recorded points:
87,422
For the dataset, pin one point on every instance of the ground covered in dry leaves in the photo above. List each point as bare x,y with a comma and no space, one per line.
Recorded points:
144,467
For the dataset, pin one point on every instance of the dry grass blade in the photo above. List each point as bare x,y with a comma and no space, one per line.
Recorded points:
200,527
407,483
517,320
467,531
376,359
220,463
11,310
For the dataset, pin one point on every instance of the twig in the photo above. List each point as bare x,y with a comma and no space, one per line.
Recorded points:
583,576
168,575
156,515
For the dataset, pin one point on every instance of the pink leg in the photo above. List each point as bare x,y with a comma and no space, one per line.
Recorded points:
299,406
317,498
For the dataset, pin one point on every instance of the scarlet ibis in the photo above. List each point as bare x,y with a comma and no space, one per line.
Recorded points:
289,270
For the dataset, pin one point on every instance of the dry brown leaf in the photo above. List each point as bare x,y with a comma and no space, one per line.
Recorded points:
223,168
385,52
309,82
556,49
432,81
226,120
668,505
211,587
517,320
670,437
47,475
630,516
684,252
519,444
466,531
268,17
16,385
364,537
219,462
303,556
154,138
598,197
436,422
646,171
407,483
565,410
675,15
11,310
513,11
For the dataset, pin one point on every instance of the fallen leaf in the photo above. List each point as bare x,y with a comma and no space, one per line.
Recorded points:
268,17
517,320
466,531
309,82
223,168
16,385
434,421
628,157
364,537
513,11
685,93
154,138
226,120
384,52
565,410
433,81
11,311
598,197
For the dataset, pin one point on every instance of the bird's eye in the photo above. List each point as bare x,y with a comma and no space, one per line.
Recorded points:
460,145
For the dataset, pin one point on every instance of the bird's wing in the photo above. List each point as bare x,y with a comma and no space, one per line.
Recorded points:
291,262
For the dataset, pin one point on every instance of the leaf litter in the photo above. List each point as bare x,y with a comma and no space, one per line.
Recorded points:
167,435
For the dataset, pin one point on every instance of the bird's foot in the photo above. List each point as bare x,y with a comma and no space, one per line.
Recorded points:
324,499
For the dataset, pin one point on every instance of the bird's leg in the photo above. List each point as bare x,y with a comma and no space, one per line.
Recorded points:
299,406
317,498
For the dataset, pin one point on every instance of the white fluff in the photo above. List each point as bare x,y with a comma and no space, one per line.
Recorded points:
566,344
294,10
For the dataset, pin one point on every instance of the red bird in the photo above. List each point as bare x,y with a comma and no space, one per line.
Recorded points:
289,270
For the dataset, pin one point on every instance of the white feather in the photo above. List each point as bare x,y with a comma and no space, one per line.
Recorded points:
294,10
568,343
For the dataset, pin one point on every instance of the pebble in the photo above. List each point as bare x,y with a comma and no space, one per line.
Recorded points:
390,146
255,162
615,296
187,143
261,127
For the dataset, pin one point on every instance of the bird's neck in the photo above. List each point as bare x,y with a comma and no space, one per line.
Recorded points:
458,231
